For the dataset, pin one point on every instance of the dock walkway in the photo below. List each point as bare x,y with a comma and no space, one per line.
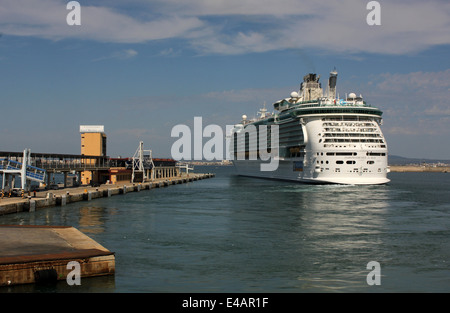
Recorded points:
64,196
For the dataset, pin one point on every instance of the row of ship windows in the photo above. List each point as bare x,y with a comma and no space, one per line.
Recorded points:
352,146
348,130
347,162
352,153
350,135
347,118
355,170
339,153
349,124
352,140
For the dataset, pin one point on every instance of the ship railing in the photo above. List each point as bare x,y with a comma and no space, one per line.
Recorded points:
340,102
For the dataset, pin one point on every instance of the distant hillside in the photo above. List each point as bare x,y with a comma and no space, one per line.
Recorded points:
398,160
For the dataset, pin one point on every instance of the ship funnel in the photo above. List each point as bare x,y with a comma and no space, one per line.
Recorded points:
332,84
310,88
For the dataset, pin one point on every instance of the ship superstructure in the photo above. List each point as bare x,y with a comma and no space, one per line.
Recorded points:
320,138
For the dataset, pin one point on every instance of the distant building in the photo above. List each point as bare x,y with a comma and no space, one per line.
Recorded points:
93,142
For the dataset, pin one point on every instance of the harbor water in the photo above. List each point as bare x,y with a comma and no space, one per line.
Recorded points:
232,234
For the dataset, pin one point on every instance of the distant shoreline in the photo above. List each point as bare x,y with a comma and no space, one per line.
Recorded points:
419,168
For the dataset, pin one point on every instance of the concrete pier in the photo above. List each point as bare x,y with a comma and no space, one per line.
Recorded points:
65,196
40,254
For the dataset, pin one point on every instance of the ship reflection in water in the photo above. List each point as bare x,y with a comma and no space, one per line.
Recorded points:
331,233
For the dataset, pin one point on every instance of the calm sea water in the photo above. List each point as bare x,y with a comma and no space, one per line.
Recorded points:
236,234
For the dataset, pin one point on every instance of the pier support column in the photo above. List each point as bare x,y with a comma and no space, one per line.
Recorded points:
32,206
6,181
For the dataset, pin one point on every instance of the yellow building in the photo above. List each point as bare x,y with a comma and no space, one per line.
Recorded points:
93,142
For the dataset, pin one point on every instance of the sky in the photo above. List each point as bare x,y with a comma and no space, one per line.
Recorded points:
142,67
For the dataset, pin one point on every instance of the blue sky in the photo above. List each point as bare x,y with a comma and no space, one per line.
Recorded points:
141,67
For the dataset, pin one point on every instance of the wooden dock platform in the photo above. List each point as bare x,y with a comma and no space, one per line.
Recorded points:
62,197
40,254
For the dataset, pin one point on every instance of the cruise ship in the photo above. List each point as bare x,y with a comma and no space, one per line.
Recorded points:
313,137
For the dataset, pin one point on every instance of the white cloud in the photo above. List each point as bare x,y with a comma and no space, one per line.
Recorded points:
121,55
278,8
413,103
129,53
255,97
341,27
425,92
240,26
47,19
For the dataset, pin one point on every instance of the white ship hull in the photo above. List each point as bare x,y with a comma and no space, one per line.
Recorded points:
285,171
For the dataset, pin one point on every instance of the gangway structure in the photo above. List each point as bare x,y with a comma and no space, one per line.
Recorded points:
24,169
142,163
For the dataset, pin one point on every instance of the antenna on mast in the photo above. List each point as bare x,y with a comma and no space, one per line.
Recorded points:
263,111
